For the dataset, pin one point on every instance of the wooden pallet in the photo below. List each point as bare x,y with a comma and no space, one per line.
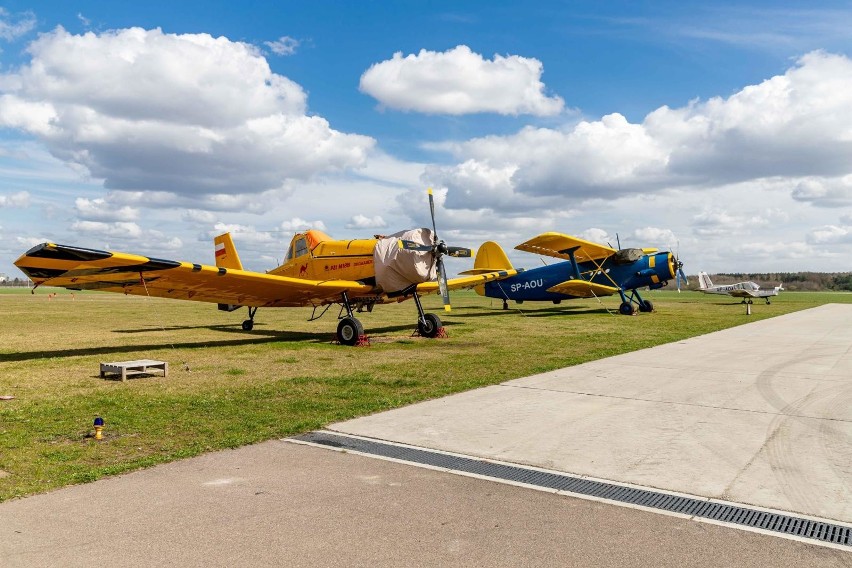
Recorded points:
129,368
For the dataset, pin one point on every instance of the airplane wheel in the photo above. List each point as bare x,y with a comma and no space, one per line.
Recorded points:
248,325
429,325
646,306
349,330
626,309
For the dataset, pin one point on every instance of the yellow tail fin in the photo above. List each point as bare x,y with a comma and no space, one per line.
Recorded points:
489,258
226,253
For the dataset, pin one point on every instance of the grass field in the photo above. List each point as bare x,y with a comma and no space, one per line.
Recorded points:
228,387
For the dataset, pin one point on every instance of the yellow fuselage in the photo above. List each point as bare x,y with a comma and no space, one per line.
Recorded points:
329,260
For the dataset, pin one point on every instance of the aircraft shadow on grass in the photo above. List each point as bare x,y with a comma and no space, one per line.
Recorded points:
260,337
535,313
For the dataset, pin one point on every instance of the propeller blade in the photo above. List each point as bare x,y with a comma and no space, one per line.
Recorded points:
411,245
442,284
679,275
459,252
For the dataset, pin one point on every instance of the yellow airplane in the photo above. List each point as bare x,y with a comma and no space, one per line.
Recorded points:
318,271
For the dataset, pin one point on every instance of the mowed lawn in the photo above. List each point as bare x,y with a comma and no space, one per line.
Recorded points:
228,387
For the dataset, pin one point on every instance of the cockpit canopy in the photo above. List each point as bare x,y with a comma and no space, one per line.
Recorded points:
303,243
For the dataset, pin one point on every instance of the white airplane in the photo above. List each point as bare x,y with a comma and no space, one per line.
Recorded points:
745,290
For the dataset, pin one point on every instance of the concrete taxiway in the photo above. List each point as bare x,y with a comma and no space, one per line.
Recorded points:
758,414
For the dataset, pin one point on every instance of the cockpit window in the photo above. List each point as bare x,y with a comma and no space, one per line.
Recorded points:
290,252
301,247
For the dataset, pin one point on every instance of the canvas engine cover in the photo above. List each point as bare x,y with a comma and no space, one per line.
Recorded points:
397,268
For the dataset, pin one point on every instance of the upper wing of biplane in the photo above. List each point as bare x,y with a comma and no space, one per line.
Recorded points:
559,245
87,269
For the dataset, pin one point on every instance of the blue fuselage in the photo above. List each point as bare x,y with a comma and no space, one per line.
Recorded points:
652,270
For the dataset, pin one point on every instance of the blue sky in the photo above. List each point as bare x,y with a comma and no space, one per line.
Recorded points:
720,127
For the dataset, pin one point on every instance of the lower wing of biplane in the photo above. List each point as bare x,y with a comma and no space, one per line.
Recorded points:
87,269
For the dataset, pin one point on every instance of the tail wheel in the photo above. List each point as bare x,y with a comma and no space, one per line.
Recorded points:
248,325
429,325
626,309
349,330
646,306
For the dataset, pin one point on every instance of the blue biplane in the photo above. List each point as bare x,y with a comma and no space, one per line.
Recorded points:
591,270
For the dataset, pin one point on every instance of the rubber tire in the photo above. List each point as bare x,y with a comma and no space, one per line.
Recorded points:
430,327
248,325
646,306
349,331
626,309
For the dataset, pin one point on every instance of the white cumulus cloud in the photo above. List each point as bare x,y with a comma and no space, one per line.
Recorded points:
17,199
186,114
13,26
284,45
100,209
830,235
794,126
655,237
825,192
363,222
297,224
458,81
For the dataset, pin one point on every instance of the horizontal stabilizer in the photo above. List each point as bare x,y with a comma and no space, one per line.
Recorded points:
475,271
582,289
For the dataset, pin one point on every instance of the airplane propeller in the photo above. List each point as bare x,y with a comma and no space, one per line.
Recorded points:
438,248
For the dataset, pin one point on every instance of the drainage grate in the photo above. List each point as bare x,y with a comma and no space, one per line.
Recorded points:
735,514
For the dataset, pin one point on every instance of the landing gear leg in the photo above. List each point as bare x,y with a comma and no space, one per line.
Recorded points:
249,323
630,303
349,330
626,308
429,325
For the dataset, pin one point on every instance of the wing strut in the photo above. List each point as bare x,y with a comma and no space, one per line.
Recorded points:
574,267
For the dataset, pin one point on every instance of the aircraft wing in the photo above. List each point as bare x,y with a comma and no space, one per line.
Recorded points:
752,293
558,244
742,294
468,281
583,289
87,269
